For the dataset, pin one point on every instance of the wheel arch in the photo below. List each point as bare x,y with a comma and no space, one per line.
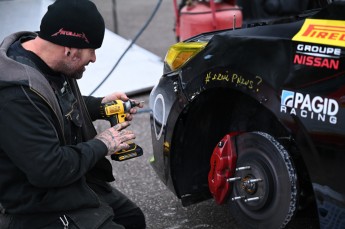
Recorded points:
219,111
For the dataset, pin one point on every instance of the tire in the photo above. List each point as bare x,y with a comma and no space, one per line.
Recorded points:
277,191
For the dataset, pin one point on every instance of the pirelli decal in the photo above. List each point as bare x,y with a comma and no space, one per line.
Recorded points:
328,32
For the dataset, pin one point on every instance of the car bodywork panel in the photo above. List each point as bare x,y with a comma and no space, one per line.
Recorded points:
278,79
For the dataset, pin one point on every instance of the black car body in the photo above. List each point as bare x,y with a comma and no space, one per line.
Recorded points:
255,118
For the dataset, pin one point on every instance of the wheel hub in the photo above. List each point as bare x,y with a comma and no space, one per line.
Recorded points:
264,187
248,185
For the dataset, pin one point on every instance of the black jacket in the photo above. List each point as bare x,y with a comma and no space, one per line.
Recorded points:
41,170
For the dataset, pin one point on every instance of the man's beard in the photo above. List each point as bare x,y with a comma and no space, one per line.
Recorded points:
69,72
77,75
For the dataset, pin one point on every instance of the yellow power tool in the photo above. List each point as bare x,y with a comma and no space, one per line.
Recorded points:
115,111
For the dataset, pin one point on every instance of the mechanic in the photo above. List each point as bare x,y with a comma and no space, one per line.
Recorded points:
54,173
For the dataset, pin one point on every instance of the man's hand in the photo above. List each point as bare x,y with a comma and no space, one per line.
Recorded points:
114,96
115,138
122,96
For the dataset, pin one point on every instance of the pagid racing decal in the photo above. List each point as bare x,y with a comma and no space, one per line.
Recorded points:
306,106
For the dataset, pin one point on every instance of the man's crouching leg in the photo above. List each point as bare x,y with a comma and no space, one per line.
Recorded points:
126,212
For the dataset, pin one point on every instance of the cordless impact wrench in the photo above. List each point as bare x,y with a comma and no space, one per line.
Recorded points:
115,111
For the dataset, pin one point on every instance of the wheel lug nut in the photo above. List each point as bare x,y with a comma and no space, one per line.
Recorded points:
233,179
238,198
243,168
251,199
252,181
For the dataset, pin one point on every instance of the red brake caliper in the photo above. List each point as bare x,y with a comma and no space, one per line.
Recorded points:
223,164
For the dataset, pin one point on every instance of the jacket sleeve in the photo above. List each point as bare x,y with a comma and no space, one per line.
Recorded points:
93,105
29,138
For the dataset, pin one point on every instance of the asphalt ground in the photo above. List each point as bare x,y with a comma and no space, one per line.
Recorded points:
135,177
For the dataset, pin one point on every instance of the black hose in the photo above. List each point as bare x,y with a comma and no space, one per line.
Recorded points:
115,17
130,45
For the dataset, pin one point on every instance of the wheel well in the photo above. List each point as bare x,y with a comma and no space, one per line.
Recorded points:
204,122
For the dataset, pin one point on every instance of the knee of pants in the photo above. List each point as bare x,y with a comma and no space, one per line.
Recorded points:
141,219
136,220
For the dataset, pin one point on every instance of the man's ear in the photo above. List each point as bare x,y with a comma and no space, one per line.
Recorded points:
67,51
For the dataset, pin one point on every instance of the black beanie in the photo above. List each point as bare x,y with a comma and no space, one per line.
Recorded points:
73,23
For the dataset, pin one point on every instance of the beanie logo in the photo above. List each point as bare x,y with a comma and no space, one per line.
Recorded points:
70,33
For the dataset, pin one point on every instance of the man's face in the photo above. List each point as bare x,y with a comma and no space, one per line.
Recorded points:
74,66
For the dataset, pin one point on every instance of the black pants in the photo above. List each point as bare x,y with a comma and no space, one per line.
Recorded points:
126,212
116,212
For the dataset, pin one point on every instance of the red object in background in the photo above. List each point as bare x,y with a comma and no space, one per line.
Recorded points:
223,165
203,17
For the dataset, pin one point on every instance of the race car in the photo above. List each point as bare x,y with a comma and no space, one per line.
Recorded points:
255,118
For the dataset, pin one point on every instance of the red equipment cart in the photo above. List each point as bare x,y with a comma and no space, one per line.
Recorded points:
197,17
